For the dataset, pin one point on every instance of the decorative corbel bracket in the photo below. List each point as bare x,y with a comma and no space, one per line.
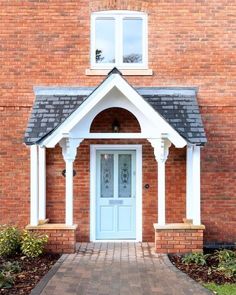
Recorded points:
161,148
69,147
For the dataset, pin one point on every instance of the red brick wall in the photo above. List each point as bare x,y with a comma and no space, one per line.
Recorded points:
59,240
178,240
14,167
191,43
103,122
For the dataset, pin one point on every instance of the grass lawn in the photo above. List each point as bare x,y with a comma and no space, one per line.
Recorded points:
227,289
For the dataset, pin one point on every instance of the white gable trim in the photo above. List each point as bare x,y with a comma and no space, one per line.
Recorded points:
114,80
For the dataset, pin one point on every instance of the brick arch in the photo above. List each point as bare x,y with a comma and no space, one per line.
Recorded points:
134,5
102,123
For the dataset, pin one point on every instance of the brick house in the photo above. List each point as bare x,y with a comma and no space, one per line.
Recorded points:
131,121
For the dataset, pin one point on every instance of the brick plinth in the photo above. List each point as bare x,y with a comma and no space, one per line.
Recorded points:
61,238
178,238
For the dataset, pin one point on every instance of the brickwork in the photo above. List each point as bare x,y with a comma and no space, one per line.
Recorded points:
59,240
178,240
123,268
103,121
191,43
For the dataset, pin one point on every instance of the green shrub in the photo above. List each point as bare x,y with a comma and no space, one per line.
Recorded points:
32,244
6,280
7,271
225,255
196,258
12,267
227,262
228,268
9,240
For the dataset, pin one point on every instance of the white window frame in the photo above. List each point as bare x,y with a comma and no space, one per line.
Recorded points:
118,16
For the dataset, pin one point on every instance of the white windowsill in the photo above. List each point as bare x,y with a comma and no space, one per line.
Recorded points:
125,72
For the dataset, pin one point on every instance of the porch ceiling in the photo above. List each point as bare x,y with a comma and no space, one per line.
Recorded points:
178,106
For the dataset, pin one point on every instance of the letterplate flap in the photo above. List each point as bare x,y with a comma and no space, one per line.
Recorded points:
115,202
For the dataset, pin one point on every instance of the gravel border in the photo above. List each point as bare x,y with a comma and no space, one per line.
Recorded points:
46,278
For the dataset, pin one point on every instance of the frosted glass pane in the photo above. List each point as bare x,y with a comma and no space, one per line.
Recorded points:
105,41
124,176
132,40
107,176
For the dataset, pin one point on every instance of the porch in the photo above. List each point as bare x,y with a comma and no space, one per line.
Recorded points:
151,130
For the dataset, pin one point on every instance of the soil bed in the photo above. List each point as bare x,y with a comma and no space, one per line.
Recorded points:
32,270
204,274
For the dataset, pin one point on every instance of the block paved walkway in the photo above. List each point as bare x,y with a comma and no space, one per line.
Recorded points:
118,269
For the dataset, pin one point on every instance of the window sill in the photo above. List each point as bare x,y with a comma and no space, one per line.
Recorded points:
125,72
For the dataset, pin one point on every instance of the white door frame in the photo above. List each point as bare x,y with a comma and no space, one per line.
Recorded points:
93,183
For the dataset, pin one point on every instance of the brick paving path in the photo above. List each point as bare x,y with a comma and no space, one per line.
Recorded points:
119,269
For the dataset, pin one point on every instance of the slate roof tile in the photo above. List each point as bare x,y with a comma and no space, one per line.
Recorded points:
177,106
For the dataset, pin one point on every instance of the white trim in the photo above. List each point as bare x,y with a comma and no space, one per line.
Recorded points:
118,16
161,193
34,200
79,90
193,185
112,82
189,182
69,192
196,185
161,152
42,183
93,150
125,72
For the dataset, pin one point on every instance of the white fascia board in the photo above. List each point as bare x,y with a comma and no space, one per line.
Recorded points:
115,80
150,113
78,114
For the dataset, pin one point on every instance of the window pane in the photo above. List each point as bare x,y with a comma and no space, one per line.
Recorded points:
107,176
105,41
125,176
132,41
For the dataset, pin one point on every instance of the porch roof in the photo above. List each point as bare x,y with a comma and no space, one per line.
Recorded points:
177,105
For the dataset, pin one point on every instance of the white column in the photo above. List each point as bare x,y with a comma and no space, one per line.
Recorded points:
34,185
69,191
193,196
196,186
42,184
189,182
161,150
69,150
161,193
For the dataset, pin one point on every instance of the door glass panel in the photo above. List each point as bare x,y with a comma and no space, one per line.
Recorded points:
132,40
124,189
107,175
105,41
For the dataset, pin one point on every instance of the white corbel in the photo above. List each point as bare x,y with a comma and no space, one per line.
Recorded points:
161,148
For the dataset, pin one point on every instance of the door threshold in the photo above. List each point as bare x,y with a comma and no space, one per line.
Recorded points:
116,241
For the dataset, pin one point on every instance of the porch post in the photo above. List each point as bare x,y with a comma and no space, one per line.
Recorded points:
189,182
193,196
196,186
69,191
34,185
161,193
69,150
161,150
42,184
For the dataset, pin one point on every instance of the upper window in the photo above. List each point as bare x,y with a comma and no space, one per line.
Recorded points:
119,38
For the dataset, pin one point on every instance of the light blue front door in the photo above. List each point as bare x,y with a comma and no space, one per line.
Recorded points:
115,195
